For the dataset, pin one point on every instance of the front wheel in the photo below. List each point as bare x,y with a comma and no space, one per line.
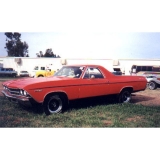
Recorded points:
152,85
124,96
54,104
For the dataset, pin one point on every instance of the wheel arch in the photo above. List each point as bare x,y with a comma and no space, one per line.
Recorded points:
40,75
127,88
153,81
60,93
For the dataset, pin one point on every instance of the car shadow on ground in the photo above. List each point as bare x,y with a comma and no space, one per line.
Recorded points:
36,109
82,103
141,98
74,104
91,102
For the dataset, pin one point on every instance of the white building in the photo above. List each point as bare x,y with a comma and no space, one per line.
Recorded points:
26,63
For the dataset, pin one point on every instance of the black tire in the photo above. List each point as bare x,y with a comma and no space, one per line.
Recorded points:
54,104
152,85
40,76
13,75
124,96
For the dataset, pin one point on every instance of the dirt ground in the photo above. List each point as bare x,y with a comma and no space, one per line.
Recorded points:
146,98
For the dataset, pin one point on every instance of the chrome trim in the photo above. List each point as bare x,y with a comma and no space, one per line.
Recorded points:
127,87
57,91
38,90
15,97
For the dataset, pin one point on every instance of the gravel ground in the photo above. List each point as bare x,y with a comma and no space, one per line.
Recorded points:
146,98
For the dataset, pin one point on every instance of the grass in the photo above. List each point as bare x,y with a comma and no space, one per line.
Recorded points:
86,113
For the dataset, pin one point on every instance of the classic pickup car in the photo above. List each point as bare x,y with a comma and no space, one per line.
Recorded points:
153,81
70,83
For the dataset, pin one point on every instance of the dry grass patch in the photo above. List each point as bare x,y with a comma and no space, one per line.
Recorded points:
107,123
134,119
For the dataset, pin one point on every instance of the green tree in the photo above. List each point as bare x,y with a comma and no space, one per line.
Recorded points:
14,46
49,53
40,54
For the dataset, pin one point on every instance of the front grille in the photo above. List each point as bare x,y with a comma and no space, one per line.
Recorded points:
14,91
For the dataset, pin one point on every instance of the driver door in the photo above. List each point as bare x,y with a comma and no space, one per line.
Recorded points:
94,83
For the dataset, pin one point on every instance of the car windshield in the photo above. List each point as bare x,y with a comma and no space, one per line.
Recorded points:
70,71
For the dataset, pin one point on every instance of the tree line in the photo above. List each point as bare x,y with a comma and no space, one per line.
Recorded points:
16,48
48,53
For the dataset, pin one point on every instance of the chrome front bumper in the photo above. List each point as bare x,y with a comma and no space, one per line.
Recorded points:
17,98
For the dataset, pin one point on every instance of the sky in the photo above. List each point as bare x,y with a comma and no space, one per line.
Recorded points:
86,29
121,45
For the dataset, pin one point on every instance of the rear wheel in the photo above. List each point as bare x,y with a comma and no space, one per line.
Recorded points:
54,104
124,96
152,85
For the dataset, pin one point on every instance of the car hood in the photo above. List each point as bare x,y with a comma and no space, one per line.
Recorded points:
42,82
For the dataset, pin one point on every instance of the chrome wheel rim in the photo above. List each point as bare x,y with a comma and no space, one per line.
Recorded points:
125,97
54,104
151,85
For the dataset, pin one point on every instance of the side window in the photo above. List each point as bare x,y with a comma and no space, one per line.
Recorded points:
149,68
42,68
156,69
92,73
138,68
144,68
36,68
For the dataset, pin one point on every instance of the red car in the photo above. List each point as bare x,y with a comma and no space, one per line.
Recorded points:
69,83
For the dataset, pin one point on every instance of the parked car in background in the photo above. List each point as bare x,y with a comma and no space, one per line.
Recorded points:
43,71
70,83
152,82
10,72
24,74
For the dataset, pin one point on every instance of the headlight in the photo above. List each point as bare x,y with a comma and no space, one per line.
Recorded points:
4,87
23,93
